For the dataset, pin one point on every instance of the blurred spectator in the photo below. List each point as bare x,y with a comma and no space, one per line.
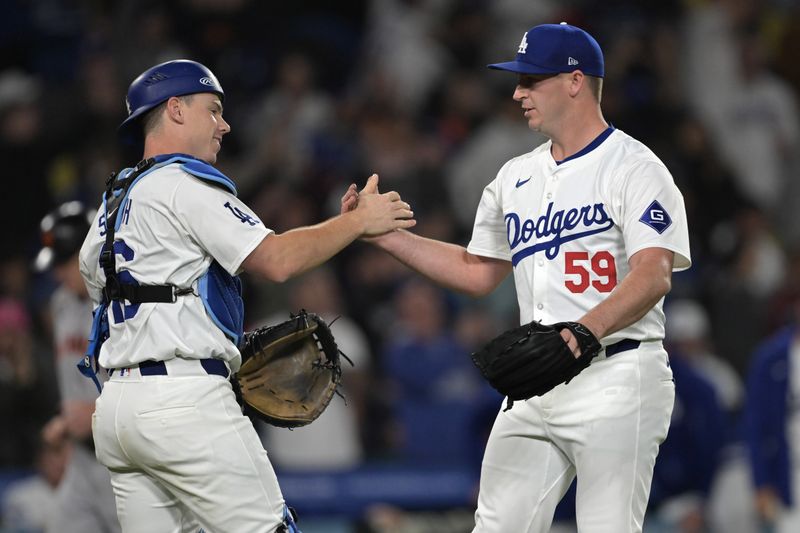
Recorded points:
456,109
154,42
712,195
725,506
85,498
781,308
404,30
333,441
437,392
772,422
14,277
738,294
25,152
640,90
85,158
507,20
485,151
27,392
475,325
689,457
286,125
688,334
389,144
766,134
754,121
30,504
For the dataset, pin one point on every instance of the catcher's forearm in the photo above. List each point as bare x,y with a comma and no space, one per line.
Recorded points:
282,256
446,264
649,280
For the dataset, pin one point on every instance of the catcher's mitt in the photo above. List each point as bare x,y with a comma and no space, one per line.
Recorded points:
531,359
289,371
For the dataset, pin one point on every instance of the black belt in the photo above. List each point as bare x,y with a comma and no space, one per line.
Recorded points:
158,368
622,346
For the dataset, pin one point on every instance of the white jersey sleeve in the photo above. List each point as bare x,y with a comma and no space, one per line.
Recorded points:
650,211
489,237
227,229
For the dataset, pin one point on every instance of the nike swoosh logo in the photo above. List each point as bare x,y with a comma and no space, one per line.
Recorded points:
520,183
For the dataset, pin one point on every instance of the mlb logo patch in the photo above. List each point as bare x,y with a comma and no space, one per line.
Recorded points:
656,217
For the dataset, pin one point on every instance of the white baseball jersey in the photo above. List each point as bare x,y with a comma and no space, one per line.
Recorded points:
570,228
173,226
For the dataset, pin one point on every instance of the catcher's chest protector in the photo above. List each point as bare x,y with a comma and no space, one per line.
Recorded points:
220,292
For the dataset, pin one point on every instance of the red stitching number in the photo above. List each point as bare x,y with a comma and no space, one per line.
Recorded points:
602,266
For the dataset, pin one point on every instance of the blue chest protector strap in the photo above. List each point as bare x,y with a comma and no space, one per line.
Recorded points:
116,193
221,293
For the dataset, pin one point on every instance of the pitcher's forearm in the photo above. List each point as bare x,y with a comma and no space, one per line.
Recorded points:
649,280
446,264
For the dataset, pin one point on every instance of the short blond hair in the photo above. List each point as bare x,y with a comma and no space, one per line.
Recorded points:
596,86
152,119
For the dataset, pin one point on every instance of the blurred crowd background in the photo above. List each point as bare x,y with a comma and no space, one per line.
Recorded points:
322,94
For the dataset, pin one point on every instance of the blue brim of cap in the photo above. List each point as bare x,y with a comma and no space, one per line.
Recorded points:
521,68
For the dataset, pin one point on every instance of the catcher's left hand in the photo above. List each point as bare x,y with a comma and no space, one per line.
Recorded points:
289,371
531,359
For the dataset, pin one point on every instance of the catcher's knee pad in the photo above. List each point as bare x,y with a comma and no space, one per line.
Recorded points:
289,524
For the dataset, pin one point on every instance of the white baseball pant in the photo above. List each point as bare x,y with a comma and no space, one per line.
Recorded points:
605,425
182,455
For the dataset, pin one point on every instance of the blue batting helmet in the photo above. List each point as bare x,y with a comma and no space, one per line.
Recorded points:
157,84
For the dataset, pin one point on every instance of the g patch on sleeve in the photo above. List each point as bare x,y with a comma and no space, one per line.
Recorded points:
656,217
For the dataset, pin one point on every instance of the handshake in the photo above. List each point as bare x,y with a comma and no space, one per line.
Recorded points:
380,213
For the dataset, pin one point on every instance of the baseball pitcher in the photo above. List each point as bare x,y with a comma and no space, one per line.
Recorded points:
592,225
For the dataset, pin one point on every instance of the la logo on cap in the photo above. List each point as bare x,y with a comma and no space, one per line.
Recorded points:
556,48
524,44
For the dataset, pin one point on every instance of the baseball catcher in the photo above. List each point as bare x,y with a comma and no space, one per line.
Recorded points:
531,359
290,371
